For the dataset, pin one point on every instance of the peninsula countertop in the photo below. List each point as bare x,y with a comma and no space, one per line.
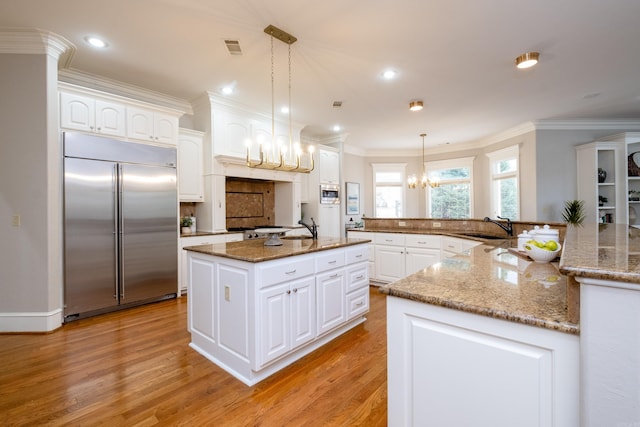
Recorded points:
255,251
602,251
492,281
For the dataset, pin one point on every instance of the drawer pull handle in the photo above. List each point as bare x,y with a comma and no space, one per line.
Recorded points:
359,304
360,277
290,272
289,292
422,243
388,240
295,290
359,256
333,276
332,262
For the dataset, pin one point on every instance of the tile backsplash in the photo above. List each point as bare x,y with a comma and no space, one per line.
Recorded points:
249,202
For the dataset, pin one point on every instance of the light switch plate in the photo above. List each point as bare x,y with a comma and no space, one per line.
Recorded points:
15,221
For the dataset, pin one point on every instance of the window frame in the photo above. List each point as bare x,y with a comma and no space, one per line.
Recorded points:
457,163
390,167
495,157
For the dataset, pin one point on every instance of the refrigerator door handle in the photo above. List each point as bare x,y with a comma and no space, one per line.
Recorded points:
114,189
121,228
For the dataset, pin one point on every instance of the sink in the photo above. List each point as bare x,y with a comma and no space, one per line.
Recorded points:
484,236
296,237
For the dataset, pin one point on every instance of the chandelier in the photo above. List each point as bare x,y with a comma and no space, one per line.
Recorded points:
276,155
412,181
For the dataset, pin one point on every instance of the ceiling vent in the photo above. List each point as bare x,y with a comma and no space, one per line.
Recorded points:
233,47
337,104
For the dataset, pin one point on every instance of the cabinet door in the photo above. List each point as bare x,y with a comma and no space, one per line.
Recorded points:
77,112
110,118
418,258
275,320
329,221
139,124
390,263
165,128
331,291
329,166
303,311
190,179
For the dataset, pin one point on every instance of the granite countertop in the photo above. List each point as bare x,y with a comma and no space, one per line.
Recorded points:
602,251
255,251
208,233
492,281
469,235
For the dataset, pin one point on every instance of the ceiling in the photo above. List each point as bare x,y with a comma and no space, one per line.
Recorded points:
457,56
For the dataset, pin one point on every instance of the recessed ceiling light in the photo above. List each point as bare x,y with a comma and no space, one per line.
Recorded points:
415,105
389,74
336,128
284,110
527,60
96,42
227,90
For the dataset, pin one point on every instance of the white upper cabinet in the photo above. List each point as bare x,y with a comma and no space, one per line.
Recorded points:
190,166
92,111
152,126
329,166
88,114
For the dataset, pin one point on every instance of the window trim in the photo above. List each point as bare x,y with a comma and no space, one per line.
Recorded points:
390,167
497,156
459,162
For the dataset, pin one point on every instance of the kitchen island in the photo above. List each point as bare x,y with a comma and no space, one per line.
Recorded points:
254,309
482,338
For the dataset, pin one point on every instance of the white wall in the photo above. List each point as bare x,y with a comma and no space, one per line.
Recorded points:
30,186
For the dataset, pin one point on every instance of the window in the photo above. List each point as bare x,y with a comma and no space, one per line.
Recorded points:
505,200
389,185
454,197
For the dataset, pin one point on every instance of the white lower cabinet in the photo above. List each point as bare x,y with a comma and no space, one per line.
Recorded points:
451,368
331,300
398,255
280,309
287,314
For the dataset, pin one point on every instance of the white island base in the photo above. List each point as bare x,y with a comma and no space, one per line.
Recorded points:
254,318
451,368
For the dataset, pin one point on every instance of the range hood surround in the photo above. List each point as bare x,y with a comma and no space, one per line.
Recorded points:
249,202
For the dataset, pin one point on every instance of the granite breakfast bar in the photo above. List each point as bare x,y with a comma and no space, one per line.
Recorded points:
254,309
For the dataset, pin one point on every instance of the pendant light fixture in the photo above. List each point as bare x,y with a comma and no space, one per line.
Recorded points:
412,181
277,156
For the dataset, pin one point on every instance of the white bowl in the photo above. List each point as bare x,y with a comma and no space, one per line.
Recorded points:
541,255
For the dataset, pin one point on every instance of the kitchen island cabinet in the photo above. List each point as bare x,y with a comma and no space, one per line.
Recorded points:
254,309
483,339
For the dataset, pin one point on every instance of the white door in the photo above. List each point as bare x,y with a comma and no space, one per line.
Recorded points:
303,311
418,258
331,300
390,263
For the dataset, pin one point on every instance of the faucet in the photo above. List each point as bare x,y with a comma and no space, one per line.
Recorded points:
508,228
313,228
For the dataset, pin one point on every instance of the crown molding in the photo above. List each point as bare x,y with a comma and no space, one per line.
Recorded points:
34,41
588,124
93,81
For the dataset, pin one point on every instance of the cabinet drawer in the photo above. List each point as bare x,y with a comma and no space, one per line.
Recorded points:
329,260
284,271
451,244
357,276
357,254
423,241
357,303
390,239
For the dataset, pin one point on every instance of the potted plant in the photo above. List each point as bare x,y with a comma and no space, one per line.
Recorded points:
185,223
573,213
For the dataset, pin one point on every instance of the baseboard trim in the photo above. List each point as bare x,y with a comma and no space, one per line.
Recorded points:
31,322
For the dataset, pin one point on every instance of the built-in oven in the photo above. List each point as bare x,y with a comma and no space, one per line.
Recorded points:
329,194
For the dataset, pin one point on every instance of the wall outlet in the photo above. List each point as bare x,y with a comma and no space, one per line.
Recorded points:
227,293
436,224
402,223
15,221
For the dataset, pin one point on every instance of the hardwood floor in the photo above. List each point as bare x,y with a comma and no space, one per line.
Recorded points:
135,368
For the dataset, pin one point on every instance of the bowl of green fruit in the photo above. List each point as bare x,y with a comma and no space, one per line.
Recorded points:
542,252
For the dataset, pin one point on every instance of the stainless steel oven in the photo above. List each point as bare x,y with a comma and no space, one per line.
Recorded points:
329,194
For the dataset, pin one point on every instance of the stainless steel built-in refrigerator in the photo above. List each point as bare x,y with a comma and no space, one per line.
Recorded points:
120,224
